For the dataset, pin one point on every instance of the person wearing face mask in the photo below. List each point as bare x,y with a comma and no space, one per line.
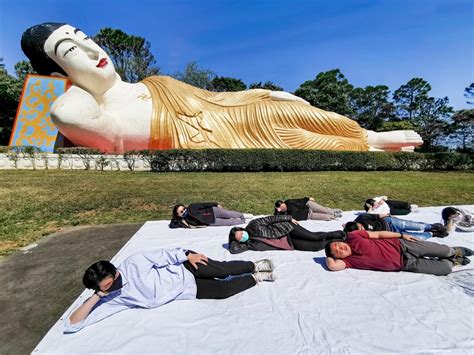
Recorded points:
280,232
101,111
153,278
205,214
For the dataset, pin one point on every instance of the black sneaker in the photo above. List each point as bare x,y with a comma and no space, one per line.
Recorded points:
462,252
439,230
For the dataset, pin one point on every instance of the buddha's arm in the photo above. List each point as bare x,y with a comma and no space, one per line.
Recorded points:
286,96
75,107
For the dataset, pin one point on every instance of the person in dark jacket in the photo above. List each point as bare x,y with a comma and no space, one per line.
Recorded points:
205,214
278,233
374,222
305,208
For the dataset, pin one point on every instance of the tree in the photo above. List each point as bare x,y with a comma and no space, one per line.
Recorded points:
268,85
196,76
469,94
329,91
432,122
371,106
462,128
396,126
409,98
22,69
222,83
130,54
10,91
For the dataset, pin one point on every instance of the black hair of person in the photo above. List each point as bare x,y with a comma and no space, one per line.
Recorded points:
232,234
97,272
350,227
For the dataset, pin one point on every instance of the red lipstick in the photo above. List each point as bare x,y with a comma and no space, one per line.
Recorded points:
102,63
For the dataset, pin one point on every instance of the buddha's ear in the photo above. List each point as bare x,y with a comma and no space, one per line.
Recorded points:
59,75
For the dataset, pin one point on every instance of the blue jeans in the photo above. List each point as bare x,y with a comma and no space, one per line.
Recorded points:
416,229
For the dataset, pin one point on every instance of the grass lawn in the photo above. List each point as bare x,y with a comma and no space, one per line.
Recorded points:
37,203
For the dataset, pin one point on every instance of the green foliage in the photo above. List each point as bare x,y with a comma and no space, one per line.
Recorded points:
462,128
371,106
432,122
131,158
429,115
130,54
10,91
258,160
15,153
22,69
223,84
196,76
268,85
329,91
469,94
396,125
410,97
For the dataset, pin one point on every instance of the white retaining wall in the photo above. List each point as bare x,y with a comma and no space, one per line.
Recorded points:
69,162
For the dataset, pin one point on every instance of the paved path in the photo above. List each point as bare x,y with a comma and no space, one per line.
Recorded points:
38,285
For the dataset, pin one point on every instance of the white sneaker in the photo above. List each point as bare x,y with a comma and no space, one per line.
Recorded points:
263,265
414,208
248,215
264,276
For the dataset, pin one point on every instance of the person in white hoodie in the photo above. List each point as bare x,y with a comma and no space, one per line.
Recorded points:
381,205
458,218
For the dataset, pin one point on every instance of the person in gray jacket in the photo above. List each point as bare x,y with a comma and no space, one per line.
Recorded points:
278,233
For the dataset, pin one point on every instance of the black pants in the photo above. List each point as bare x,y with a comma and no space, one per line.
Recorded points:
398,208
209,287
305,240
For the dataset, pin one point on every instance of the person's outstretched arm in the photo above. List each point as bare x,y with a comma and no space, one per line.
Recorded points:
93,310
388,235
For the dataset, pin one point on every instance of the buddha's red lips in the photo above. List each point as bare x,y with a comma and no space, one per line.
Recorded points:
102,63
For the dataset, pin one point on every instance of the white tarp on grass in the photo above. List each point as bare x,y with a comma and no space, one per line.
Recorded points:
308,310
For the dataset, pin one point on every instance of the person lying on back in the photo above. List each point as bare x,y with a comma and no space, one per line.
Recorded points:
392,251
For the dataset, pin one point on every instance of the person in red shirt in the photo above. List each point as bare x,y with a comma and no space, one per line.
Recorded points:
392,251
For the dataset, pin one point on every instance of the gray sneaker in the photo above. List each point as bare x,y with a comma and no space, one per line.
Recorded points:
462,252
263,265
248,215
264,276
461,260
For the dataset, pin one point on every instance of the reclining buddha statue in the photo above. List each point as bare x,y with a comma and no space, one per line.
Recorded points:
100,110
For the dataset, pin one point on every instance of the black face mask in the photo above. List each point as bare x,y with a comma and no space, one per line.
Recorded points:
116,285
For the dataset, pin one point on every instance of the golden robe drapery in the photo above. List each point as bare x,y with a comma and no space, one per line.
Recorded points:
188,117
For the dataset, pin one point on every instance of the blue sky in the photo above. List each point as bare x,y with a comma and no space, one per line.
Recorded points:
288,42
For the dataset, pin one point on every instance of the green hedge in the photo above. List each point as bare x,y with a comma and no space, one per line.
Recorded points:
273,159
300,160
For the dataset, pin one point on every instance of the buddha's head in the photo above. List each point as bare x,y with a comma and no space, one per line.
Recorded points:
59,49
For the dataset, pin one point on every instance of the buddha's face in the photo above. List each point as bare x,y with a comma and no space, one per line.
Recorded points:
86,64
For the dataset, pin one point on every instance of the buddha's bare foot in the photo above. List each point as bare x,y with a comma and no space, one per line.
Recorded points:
394,140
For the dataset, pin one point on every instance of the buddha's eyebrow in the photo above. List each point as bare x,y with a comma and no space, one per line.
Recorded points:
59,42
